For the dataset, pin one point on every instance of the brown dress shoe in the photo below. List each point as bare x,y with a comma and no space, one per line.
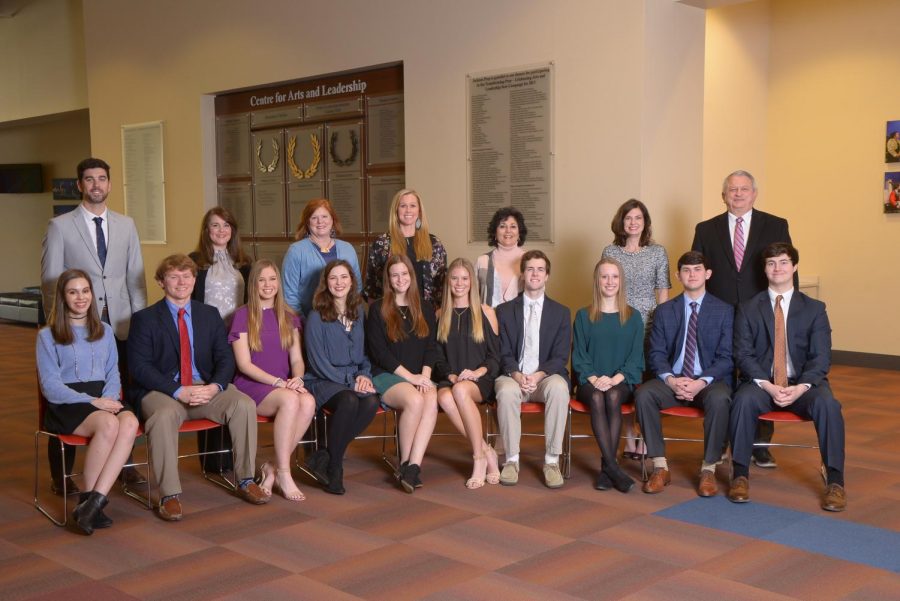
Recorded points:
740,490
253,494
708,486
835,498
659,479
170,510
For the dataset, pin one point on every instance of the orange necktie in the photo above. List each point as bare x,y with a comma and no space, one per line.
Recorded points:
779,367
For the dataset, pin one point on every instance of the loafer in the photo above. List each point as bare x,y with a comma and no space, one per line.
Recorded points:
707,486
509,475
739,492
71,488
553,477
657,482
253,494
835,498
763,458
170,510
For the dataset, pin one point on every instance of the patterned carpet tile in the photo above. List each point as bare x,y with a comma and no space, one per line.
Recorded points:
498,587
234,522
403,517
295,588
565,515
89,589
698,586
24,576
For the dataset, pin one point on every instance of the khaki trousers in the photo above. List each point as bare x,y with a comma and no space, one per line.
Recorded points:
552,391
163,415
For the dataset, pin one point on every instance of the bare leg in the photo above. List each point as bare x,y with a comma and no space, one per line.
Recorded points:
293,413
112,437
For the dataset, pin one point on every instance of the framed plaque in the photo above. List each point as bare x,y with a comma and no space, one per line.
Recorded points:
346,196
330,109
238,199
305,154
144,181
381,192
300,193
285,115
385,139
344,150
268,209
510,154
233,145
268,156
274,251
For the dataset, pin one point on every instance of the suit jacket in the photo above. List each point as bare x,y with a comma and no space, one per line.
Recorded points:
715,323
555,336
119,285
154,349
808,339
711,237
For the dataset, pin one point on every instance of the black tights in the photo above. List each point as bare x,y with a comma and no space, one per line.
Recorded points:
350,415
606,416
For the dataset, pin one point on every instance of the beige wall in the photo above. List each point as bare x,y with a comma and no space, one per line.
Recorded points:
58,143
42,69
157,60
815,129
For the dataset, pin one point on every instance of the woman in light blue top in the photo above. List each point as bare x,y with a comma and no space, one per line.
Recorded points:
316,245
79,376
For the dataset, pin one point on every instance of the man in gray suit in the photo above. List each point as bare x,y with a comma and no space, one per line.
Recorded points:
105,245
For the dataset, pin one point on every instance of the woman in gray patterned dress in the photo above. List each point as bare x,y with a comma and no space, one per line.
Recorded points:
646,266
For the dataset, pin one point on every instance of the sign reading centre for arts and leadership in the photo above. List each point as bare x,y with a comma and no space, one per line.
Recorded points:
510,152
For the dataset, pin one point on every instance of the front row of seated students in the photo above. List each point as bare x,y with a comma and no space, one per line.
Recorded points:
183,368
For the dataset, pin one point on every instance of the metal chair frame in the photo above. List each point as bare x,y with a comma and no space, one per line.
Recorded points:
576,406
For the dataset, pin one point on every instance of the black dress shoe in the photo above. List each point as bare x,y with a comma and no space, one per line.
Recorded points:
622,482
71,488
407,477
317,464
763,458
335,484
85,514
603,482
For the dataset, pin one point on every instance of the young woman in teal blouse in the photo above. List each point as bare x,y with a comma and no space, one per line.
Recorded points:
608,359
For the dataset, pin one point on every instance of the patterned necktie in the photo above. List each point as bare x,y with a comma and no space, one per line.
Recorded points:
739,242
530,347
101,241
690,344
779,367
187,377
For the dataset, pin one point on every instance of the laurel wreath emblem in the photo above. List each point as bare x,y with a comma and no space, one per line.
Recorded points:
273,164
354,144
313,165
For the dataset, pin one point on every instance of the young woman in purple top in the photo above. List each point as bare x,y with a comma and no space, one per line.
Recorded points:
265,337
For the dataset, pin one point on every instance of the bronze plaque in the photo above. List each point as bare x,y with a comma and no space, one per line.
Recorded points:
346,198
238,199
268,209
274,251
385,139
284,115
300,193
344,150
329,109
268,156
381,192
233,145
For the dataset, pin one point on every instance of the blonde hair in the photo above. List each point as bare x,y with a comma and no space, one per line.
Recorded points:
283,313
443,327
421,239
624,310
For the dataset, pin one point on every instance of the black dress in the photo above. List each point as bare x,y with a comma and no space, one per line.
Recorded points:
462,352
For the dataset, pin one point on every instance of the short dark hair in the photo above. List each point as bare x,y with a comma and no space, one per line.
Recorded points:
776,249
92,163
177,262
534,254
501,215
618,223
692,257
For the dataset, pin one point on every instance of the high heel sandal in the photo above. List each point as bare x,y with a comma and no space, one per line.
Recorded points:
476,482
298,496
266,473
493,466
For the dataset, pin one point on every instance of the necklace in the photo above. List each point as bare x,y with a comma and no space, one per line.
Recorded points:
75,358
459,315
345,321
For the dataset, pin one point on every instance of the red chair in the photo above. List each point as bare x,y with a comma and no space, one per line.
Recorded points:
784,417
576,406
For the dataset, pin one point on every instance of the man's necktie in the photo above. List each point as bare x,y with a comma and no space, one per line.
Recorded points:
779,367
101,241
739,242
187,378
690,344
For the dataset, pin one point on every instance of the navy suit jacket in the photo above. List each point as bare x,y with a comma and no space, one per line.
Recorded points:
711,237
715,323
808,338
555,336
154,349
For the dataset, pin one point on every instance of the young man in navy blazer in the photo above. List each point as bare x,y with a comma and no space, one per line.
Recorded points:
782,348
693,368
168,339
535,340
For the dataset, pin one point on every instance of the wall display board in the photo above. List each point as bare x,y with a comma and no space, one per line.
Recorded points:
144,180
510,148
279,146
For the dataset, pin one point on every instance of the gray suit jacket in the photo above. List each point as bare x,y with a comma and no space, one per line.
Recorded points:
119,285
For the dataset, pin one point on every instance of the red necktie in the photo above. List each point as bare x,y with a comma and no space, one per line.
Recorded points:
187,378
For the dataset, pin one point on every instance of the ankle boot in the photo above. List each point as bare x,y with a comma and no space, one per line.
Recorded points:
86,512
102,520
335,480
621,481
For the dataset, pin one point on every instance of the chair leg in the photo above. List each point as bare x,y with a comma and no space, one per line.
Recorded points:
37,503
567,446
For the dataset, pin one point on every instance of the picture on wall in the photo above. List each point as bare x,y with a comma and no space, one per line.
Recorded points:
892,192
892,142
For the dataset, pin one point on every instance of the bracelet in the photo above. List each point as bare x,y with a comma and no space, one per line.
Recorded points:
277,382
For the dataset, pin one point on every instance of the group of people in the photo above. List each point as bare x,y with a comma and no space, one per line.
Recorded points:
232,339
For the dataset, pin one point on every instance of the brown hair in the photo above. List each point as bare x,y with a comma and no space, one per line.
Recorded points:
323,302
254,309
393,321
205,246
310,208
624,310
534,254
443,327
618,223
421,240
58,320
177,262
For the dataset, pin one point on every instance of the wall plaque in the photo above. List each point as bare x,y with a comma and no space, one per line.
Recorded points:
346,196
238,199
510,156
284,115
300,193
268,209
233,145
329,109
385,134
305,153
144,181
345,148
273,251
381,192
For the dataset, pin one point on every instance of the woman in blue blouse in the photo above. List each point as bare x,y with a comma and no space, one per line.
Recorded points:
79,375
608,358
338,373
316,245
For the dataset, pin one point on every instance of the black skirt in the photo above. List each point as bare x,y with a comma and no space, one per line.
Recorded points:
64,418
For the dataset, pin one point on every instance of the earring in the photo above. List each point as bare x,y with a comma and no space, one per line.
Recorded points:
418,224
333,232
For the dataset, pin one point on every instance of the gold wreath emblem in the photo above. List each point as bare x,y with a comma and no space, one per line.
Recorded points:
313,165
267,168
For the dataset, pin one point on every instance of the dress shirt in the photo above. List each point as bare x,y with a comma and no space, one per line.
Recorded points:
785,305
173,309
679,362
92,225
